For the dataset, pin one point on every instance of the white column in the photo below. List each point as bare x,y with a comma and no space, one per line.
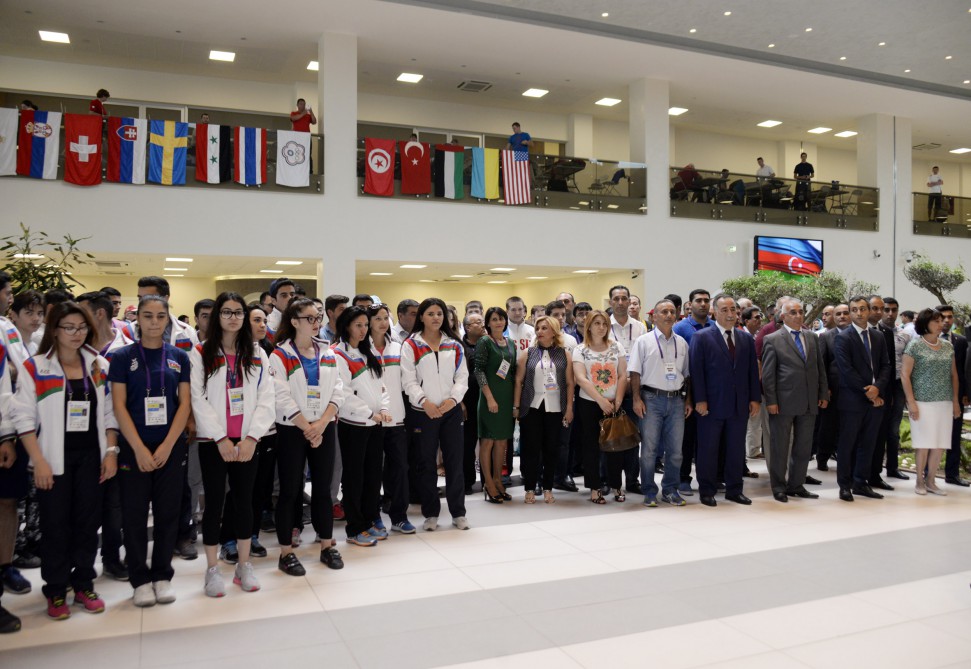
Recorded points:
962,187
336,274
579,136
337,116
649,138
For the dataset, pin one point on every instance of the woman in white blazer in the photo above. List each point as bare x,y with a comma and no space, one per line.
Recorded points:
232,402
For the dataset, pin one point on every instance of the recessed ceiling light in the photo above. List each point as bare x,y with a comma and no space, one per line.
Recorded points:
906,71
537,277
693,31
410,78
842,57
271,271
313,65
412,266
585,271
769,124
605,14
178,260
967,81
535,93
772,46
176,269
425,281
676,111
173,275
881,44
608,102
583,203
48,36
226,56
28,255
948,57
820,130
728,13
845,133
289,262
960,150
809,30
461,276
382,274
497,282
503,269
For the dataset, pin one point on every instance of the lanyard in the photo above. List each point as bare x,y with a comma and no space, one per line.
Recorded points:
231,377
630,331
148,372
546,355
300,358
70,391
502,349
661,350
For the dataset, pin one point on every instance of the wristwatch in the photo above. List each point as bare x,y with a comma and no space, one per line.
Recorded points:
113,449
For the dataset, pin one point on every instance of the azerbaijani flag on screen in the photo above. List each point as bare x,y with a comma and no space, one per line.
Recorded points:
798,257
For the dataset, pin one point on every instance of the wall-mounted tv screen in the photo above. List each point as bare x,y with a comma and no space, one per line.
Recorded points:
796,258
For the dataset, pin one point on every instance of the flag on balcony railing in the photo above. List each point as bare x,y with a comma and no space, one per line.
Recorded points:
8,141
127,138
167,146
379,166
416,168
485,173
293,158
37,144
214,153
449,166
82,149
250,149
515,177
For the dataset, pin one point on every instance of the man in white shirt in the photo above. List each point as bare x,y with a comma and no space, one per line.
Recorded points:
935,192
625,331
282,291
765,171
518,329
407,312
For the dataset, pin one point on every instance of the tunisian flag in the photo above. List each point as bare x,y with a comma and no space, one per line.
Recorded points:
416,168
82,149
379,166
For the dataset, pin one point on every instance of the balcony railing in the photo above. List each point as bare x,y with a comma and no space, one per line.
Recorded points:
948,217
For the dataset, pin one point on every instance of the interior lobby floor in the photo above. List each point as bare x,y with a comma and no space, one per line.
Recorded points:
812,583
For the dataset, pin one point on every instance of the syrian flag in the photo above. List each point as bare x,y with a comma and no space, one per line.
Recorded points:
293,158
449,166
127,139
82,149
379,166
416,168
8,141
214,154
515,177
37,144
250,149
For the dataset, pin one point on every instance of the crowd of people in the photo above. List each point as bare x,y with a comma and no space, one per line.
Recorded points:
221,425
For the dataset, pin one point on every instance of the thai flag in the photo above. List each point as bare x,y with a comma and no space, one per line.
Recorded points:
250,148
37,144
127,138
515,176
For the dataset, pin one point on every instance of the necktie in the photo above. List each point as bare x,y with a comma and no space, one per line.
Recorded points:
731,344
866,344
799,347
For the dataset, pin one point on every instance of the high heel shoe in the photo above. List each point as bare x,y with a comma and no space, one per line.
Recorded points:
492,499
505,496
548,497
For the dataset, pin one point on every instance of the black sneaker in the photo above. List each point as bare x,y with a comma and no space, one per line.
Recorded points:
115,569
228,553
185,550
14,582
290,565
331,558
26,560
8,622
267,522
256,549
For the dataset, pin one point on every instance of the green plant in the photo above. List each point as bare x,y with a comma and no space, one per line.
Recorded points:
827,288
938,279
35,262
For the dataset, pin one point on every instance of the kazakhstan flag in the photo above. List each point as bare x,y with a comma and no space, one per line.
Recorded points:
166,152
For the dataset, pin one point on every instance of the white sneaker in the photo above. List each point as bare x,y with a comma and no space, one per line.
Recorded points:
164,592
245,578
215,586
460,522
431,524
144,595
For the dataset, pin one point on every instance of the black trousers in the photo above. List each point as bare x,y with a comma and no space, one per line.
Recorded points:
396,472
858,431
262,491
362,454
539,442
162,488
413,430
241,476
589,413
292,452
70,513
952,460
880,443
185,506
893,433
470,437
111,521
689,442
829,431
444,433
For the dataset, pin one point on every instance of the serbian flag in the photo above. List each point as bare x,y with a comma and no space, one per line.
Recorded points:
485,173
515,177
167,146
37,144
379,166
449,166
127,138
214,155
416,168
9,120
250,149
82,149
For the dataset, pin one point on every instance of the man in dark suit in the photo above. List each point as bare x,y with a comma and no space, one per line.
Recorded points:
830,417
875,322
864,371
952,461
795,388
725,383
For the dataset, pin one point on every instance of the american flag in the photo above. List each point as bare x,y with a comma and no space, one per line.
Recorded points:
515,177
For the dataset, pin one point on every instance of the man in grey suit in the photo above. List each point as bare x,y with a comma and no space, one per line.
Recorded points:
795,388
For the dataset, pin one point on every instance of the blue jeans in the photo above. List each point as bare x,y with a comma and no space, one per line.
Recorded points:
661,427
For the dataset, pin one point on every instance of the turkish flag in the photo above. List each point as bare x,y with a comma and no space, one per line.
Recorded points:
416,168
82,149
379,166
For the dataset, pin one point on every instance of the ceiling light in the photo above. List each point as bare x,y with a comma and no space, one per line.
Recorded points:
176,269
48,36
461,276
583,203
537,277
425,281
503,269
906,71
412,266
769,124
948,57
676,111
28,255
227,56
967,81
608,102
381,274
271,271
728,13
173,275
314,66
178,260
535,93
882,44
960,150
605,15
820,130
772,46
693,31
289,262
585,271
410,78
842,57
845,133
809,30
497,282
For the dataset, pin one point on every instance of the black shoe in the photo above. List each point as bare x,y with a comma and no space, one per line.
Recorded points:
634,487
811,481
866,491
957,481
8,622
803,493
14,582
115,569
228,553
290,565
822,466
538,490
565,486
256,549
468,490
846,495
267,522
721,487
749,474
881,484
780,497
26,560
331,558
708,500
658,468
738,498
898,475
492,499
185,550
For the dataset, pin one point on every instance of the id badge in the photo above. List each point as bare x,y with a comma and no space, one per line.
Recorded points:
313,398
156,411
235,401
670,372
78,416
551,382
503,370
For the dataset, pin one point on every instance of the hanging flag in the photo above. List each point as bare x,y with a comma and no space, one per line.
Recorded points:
82,149
515,177
416,168
449,166
127,138
379,166
250,149
37,144
8,141
293,158
485,173
214,154
166,152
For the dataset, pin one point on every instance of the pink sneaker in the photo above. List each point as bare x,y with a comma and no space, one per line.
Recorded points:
90,600
57,608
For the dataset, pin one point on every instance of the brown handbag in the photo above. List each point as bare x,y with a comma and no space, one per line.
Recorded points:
618,433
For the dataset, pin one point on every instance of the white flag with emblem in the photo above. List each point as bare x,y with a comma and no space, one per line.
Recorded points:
292,158
8,141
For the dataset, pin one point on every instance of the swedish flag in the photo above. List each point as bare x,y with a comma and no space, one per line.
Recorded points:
166,152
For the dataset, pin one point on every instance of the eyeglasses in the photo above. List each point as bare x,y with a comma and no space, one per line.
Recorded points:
311,319
227,314
73,329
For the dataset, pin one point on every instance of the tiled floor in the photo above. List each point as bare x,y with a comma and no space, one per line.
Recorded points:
812,583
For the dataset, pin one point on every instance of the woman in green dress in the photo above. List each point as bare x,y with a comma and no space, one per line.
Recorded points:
495,370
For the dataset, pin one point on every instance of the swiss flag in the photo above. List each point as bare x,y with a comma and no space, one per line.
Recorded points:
416,168
379,166
82,149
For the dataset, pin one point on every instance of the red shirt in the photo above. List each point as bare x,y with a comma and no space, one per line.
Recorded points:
97,107
303,123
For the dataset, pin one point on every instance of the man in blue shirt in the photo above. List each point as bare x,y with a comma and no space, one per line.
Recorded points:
519,139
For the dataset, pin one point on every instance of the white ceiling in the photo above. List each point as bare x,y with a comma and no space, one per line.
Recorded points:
201,266
443,272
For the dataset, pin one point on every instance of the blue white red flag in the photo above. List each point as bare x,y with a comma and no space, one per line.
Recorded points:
250,148
37,144
127,138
